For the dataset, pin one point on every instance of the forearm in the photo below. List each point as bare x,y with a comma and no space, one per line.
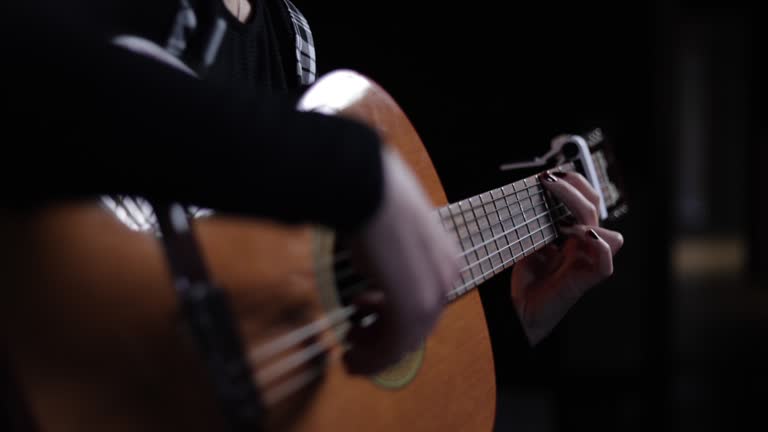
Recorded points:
95,119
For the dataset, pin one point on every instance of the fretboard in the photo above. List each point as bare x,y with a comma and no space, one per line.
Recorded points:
498,228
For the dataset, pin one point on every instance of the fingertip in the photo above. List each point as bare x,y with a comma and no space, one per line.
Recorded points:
608,269
547,177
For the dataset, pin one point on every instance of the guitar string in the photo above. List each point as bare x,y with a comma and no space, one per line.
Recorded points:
492,272
286,341
341,257
307,377
271,373
343,313
304,356
330,319
535,182
345,272
498,236
346,255
342,272
340,317
293,384
533,179
334,318
352,289
453,214
345,293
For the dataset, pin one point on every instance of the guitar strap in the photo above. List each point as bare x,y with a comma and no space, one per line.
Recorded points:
208,317
191,47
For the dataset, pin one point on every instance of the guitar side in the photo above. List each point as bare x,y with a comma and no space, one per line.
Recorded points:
93,335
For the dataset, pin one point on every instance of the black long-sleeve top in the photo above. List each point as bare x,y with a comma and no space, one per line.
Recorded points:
82,117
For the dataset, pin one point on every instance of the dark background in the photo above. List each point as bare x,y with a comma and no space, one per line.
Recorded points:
676,339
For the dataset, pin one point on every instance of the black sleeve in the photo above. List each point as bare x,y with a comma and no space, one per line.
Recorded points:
82,117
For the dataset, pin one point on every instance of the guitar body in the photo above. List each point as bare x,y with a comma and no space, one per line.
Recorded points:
94,337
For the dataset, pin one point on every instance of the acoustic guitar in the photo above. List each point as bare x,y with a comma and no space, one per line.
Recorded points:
94,335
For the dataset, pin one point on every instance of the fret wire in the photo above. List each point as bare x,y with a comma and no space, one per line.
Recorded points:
490,225
505,195
463,217
455,233
564,167
505,233
468,266
474,196
484,243
501,221
522,213
458,236
465,288
511,215
523,253
519,242
467,227
453,294
520,203
508,232
454,221
469,237
533,206
551,211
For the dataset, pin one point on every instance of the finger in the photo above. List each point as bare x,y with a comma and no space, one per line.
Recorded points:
582,185
614,239
586,247
603,255
584,211
533,268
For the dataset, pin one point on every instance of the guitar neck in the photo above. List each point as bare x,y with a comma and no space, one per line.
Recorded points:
500,227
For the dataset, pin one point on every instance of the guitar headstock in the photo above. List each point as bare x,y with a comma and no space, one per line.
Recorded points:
609,174
591,155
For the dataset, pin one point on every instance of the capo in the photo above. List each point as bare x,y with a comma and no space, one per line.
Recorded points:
567,148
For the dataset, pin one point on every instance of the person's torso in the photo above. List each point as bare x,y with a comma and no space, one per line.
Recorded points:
259,51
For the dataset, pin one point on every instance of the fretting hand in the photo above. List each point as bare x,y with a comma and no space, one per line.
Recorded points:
546,284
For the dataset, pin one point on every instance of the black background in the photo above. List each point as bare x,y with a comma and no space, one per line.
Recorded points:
651,347
678,87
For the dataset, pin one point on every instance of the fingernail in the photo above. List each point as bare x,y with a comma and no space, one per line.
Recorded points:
560,174
593,234
549,177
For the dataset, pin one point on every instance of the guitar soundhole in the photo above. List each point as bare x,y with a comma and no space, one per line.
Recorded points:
402,373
